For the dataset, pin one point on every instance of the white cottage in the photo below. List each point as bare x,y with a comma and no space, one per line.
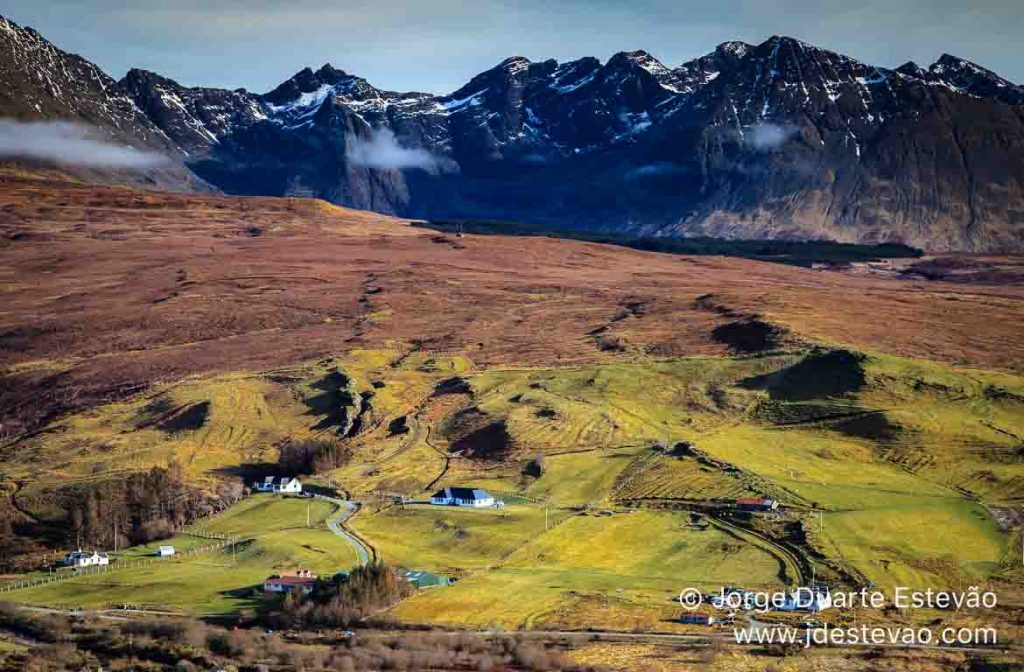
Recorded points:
814,598
82,558
284,484
471,497
165,551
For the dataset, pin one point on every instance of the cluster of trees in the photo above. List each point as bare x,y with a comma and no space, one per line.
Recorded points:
313,456
342,601
183,645
141,507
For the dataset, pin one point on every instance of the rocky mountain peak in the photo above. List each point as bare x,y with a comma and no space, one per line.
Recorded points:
733,49
38,81
782,138
912,69
972,79
308,81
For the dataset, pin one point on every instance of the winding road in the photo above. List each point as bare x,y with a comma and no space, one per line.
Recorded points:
346,509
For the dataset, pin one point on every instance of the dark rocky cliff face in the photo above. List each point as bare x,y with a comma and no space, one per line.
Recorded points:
40,82
776,140
780,139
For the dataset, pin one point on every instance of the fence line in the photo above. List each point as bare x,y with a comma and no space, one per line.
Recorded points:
133,563
517,495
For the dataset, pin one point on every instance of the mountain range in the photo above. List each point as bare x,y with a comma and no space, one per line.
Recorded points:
776,140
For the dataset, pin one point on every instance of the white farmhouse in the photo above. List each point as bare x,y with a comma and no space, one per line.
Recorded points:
82,558
283,484
289,485
814,598
471,497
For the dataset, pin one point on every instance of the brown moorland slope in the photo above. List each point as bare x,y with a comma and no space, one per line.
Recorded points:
104,291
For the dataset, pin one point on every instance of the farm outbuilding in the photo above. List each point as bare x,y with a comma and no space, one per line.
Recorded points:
757,504
165,551
422,579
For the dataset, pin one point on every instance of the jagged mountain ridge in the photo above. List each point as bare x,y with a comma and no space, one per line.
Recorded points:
779,139
38,81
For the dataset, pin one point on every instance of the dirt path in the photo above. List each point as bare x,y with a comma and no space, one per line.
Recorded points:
792,564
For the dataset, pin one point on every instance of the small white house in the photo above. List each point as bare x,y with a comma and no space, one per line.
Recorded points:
82,558
471,497
283,484
289,485
165,551
814,598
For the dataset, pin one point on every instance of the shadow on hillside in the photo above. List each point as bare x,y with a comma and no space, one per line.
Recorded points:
332,402
748,335
250,472
191,418
820,375
875,426
475,434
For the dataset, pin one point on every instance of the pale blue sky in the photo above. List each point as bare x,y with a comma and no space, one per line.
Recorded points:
437,46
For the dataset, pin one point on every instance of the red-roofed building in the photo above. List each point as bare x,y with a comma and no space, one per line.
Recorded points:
757,504
286,582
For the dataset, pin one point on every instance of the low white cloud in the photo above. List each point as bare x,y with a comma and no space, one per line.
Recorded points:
766,136
381,150
66,142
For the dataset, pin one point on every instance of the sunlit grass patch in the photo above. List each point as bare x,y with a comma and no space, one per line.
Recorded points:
423,536
917,545
219,581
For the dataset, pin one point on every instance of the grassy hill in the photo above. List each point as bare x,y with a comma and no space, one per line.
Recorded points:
273,537
625,398
886,468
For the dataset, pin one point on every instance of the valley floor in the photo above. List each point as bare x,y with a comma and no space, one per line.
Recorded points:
619,418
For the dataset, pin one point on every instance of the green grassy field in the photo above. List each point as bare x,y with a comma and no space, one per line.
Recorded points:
896,458
221,581
449,538
632,564
917,545
581,478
